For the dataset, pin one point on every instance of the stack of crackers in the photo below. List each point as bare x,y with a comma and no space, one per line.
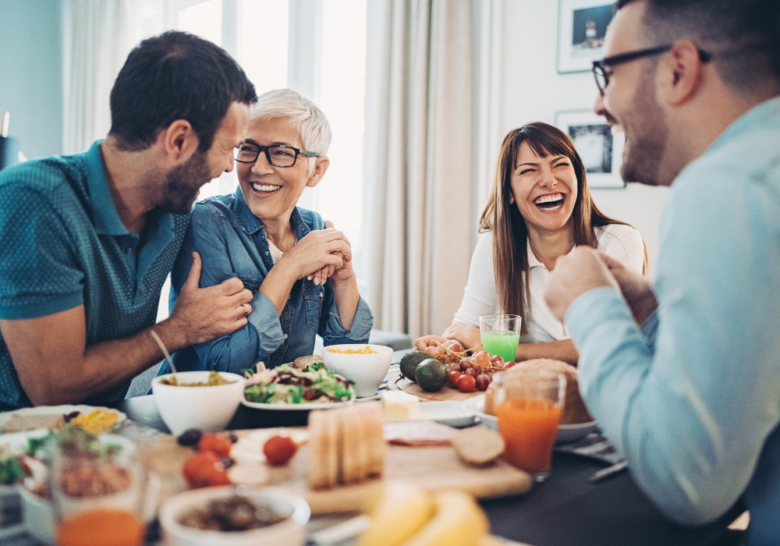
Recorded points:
347,445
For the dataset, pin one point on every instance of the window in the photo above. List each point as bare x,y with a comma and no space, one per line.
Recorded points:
317,47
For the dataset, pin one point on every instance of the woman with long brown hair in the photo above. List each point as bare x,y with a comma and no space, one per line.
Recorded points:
539,209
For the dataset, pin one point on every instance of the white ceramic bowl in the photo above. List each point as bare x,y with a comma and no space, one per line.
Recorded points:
204,408
367,371
289,532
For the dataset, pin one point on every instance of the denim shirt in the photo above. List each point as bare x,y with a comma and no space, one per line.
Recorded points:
232,243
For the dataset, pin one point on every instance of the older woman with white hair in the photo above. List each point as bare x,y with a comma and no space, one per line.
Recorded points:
299,269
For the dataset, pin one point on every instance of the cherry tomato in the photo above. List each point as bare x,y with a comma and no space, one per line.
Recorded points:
219,444
483,380
434,351
466,383
279,449
205,469
452,379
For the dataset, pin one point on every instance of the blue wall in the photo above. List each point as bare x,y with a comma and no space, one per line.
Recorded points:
31,73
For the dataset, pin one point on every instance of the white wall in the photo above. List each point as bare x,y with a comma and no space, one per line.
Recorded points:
532,90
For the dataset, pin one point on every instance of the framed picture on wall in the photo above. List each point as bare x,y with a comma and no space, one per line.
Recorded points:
582,25
601,151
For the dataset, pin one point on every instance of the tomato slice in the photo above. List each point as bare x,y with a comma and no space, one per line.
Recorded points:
279,449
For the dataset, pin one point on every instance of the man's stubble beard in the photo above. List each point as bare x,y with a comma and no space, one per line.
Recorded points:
183,183
644,152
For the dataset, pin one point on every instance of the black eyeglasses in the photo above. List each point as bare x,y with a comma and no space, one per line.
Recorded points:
602,71
279,155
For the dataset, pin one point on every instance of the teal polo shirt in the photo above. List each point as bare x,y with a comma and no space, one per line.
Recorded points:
62,245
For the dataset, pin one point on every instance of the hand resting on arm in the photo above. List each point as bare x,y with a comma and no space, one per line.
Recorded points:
55,365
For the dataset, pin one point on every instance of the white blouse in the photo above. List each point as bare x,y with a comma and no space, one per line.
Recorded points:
619,241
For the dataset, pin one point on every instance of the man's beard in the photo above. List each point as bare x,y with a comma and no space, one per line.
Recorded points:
644,151
183,183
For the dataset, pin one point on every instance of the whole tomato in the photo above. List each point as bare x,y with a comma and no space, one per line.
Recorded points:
452,379
466,383
205,469
279,449
216,443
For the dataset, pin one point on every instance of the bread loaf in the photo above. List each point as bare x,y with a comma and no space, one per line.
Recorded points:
574,410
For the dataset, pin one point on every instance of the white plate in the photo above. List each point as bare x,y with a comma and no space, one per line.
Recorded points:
307,406
55,410
453,414
566,433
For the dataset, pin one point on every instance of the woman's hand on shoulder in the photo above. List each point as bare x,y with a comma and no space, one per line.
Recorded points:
465,334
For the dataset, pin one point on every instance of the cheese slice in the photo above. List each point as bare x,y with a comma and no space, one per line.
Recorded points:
398,405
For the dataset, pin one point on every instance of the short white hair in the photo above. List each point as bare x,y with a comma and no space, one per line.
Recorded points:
302,113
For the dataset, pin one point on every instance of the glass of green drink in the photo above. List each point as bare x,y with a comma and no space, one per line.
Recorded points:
500,335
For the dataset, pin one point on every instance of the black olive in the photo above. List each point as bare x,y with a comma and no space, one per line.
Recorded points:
190,437
227,462
233,437
72,415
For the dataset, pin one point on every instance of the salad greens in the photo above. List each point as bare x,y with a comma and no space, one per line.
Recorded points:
11,470
287,384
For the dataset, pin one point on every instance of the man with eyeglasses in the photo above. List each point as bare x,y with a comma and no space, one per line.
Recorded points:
684,375
298,269
89,239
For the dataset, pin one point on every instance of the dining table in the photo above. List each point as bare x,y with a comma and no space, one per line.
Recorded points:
567,509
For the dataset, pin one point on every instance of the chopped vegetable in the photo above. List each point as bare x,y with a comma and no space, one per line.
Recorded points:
367,351
289,385
97,421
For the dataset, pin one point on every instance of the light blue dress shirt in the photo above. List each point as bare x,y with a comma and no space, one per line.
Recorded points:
692,399
231,241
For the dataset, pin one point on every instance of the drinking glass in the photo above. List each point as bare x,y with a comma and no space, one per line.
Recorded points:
97,493
500,335
528,408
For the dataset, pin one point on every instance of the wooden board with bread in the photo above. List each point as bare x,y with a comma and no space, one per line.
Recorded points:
343,455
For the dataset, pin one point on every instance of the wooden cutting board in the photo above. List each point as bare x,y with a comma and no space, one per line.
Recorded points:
446,394
428,467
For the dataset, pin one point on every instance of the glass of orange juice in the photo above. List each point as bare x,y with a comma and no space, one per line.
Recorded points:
97,491
528,408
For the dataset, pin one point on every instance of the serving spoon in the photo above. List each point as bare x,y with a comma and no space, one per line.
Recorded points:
166,353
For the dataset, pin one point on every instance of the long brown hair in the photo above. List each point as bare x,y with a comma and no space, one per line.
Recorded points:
503,218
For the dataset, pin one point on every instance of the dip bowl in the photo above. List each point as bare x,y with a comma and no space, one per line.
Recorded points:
366,370
288,532
204,408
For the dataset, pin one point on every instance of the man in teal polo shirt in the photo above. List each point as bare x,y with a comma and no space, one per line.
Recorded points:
88,239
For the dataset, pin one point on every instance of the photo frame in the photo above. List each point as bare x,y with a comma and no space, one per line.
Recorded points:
600,149
582,25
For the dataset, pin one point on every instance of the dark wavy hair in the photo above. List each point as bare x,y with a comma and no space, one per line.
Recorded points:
503,218
173,76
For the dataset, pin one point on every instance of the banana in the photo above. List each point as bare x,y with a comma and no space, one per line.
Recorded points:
398,510
459,521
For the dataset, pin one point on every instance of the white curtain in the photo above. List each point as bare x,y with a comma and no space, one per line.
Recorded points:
97,36
420,166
